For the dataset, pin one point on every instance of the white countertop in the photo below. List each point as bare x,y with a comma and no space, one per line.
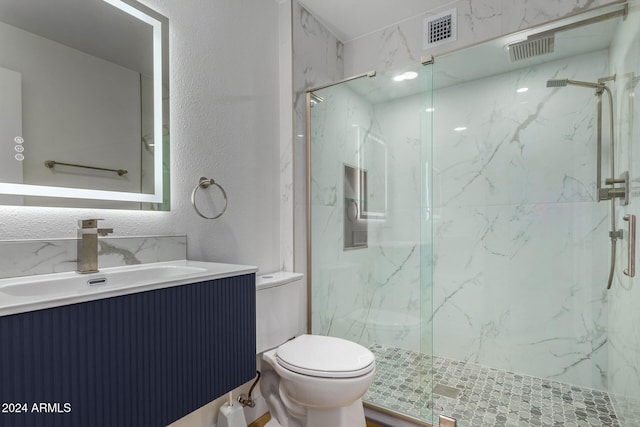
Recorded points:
29,293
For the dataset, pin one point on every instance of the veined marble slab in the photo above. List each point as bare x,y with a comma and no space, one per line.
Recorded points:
29,257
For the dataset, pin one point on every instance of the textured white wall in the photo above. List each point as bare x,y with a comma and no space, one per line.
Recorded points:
225,70
224,125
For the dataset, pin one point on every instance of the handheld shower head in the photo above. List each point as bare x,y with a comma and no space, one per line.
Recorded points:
566,82
557,82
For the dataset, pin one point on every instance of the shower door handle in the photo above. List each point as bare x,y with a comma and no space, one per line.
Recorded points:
631,271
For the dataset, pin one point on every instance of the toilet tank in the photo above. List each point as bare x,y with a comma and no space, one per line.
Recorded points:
277,308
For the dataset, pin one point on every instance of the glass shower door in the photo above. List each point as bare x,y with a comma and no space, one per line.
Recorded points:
370,242
524,326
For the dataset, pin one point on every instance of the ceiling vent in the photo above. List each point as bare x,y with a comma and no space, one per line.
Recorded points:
531,48
440,29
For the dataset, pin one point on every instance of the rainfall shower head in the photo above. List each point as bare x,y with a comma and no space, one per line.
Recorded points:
531,47
565,82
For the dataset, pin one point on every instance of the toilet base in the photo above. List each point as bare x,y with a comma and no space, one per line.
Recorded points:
349,416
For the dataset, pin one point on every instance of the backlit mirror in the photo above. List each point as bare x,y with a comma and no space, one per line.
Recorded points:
84,117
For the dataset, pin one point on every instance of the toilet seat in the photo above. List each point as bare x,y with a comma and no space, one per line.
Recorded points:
325,357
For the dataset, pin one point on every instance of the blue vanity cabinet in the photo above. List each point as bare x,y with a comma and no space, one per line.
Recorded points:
144,359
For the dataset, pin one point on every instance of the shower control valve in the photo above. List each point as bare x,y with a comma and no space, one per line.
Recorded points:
616,192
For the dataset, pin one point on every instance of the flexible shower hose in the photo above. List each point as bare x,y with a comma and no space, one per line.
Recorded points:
614,233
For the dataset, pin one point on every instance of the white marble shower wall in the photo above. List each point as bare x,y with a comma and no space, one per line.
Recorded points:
369,295
317,60
521,247
624,336
525,198
401,44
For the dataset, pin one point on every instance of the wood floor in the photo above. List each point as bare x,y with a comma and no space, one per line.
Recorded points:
260,422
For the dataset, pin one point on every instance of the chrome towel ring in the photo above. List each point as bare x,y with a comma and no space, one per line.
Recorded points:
205,183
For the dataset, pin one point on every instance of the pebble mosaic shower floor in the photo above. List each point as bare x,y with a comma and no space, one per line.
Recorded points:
482,397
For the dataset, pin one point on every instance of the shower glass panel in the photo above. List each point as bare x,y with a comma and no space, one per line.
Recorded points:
370,184
524,326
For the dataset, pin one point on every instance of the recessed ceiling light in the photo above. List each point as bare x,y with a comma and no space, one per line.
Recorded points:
460,128
430,110
522,89
409,75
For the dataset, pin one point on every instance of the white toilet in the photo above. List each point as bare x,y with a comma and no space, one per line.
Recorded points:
310,380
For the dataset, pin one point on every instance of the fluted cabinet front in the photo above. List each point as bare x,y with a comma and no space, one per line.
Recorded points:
144,359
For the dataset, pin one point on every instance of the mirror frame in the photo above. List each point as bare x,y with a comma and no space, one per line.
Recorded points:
160,28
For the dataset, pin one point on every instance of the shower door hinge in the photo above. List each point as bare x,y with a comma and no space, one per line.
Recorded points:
445,421
426,60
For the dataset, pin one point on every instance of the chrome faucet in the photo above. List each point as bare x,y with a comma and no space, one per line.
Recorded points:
88,233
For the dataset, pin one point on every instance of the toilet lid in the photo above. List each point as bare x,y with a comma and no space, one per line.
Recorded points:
327,357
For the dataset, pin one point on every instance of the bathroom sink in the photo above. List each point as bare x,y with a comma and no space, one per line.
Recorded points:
49,290
51,284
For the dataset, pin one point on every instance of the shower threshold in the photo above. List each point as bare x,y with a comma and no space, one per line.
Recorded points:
480,397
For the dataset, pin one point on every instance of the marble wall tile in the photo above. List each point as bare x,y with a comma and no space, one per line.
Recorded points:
401,44
515,221
624,339
287,232
515,147
318,56
28,257
373,294
522,14
518,236
523,295
317,60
